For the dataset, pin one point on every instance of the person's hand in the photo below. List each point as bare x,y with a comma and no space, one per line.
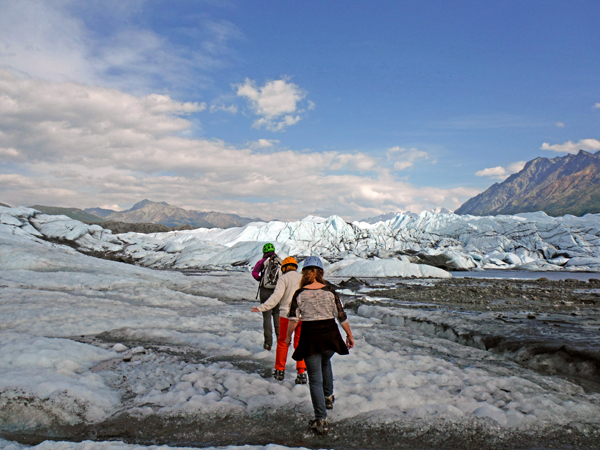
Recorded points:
254,309
288,340
349,341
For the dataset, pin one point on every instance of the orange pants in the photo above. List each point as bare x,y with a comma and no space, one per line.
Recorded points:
282,348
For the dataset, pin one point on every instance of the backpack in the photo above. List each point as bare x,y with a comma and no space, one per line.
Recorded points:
270,272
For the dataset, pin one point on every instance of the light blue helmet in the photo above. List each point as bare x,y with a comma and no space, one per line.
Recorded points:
312,261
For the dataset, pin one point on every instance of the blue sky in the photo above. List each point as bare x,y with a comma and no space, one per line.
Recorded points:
281,109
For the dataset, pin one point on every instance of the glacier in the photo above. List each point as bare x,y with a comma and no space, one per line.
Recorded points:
529,241
97,349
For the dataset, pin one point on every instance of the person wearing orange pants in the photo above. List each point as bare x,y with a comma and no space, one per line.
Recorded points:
286,286
282,351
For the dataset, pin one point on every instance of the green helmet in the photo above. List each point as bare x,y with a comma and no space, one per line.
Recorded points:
268,247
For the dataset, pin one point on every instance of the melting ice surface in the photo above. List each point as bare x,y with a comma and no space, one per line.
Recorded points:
116,445
409,244
190,349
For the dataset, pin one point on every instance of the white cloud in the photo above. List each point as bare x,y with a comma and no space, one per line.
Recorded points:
404,157
560,124
353,161
68,144
589,145
277,102
516,166
233,109
46,39
493,172
41,39
597,105
163,104
501,173
263,143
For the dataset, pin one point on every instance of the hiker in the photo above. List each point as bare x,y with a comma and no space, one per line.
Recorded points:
267,272
318,306
288,283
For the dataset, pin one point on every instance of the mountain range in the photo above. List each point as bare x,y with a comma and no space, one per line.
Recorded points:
148,211
558,186
73,213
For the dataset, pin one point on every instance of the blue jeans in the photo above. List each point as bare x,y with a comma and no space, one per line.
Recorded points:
320,381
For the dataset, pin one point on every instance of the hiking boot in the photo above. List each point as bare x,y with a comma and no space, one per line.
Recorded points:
267,347
329,401
319,426
279,375
301,378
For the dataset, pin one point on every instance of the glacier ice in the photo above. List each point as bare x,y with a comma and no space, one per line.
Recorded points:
530,241
193,349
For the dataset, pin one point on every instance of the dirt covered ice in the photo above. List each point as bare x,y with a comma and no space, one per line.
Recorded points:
191,369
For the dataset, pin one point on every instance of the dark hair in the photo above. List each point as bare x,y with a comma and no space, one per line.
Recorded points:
310,275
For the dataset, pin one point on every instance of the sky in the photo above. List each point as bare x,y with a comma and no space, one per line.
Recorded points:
279,110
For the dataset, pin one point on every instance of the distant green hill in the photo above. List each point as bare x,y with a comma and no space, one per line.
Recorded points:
73,213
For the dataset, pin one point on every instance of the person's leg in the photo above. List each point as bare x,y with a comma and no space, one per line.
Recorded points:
267,328
300,366
327,373
282,348
315,385
276,321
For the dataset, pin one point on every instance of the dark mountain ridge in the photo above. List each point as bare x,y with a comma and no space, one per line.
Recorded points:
558,186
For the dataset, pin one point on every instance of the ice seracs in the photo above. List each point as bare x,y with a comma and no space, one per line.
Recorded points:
530,241
359,267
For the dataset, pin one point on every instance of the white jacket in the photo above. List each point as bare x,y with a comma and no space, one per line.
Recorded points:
286,286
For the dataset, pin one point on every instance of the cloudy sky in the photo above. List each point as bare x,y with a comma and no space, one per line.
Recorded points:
278,109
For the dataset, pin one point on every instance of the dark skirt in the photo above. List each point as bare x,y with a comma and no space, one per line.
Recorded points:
317,337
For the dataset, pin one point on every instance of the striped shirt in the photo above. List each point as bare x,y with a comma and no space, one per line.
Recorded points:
316,304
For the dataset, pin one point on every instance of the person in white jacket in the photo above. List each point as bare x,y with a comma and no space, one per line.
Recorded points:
286,286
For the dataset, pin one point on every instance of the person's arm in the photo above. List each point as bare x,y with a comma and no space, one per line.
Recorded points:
274,298
294,316
257,269
290,330
293,313
339,309
349,337
343,319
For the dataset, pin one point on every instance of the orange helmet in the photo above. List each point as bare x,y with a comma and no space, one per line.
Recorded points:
290,260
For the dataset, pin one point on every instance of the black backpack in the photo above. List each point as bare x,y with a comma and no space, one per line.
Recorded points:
270,272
